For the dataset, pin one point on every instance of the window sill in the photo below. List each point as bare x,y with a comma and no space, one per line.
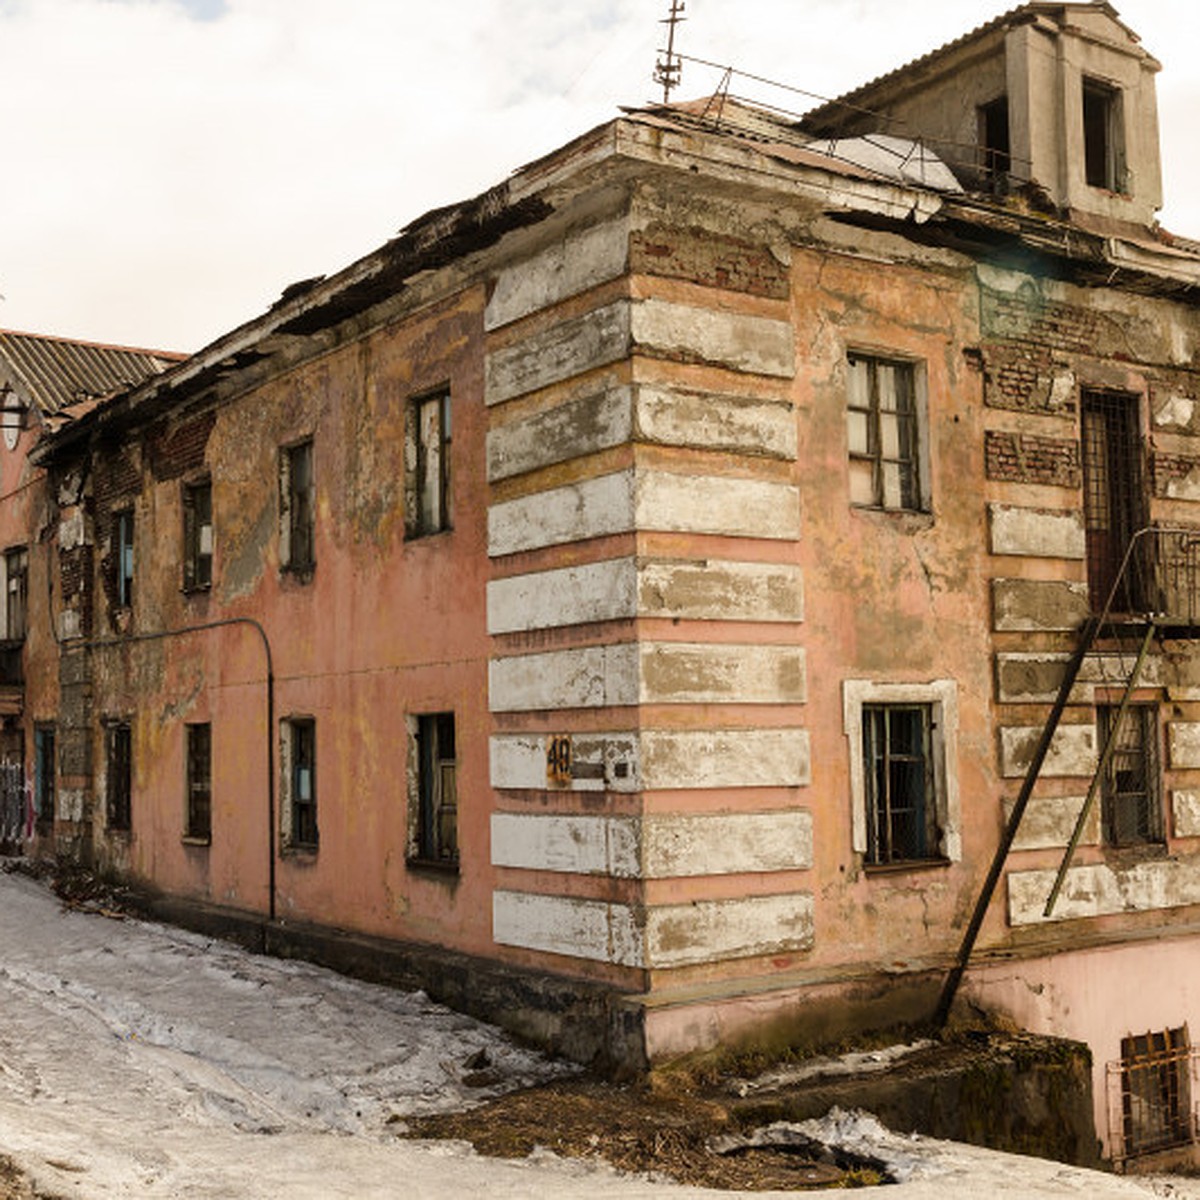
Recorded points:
907,865
301,574
433,866
299,850
191,839
196,589
421,535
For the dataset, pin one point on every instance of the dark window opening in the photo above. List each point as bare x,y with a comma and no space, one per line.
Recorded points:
44,769
1114,505
197,536
1103,144
119,775
1130,802
430,458
16,573
1156,1091
299,508
881,426
199,782
437,790
901,796
123,542
302,782
994,145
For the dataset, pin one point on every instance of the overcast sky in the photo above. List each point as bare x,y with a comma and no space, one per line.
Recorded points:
169,166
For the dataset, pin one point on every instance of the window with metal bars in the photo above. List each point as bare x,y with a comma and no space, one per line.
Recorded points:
1130,802
199,782
901,800
1114,501
299,776
882,434
197,536
436,826
1155,1071
119,774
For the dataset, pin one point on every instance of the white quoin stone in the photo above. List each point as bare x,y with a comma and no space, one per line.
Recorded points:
658,760
657,937
660,846
1036,532
714,421
1072,751
1185,811
582,426
648,500
603,591
1098,890
580,260
714,930
1049,822
603,762
1183,742
589,677
648,673
755,345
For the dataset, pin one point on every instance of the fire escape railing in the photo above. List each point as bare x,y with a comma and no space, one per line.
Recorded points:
1157,586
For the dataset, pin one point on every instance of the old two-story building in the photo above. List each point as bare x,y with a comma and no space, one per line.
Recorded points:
633,599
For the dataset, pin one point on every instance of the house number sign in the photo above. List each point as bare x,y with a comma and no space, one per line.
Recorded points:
558,758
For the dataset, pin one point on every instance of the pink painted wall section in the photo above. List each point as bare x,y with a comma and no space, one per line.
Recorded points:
1097,996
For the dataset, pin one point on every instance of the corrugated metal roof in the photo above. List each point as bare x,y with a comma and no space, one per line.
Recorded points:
51,373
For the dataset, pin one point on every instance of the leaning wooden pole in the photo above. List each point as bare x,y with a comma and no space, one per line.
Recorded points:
950,989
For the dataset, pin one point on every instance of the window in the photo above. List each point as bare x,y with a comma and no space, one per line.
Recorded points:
296,491
1155,1075
16,594
428,461
434,833
299,774
123,545
43,772
119,774
994,145
881,419
199,782
902,741
197,536
1130,804
1114,502
1103,136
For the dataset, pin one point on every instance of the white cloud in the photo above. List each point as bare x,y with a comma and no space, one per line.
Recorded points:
170,165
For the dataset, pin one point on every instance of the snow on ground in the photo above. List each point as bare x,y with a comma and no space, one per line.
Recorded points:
142,1061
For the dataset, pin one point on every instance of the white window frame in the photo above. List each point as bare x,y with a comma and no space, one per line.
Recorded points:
942,697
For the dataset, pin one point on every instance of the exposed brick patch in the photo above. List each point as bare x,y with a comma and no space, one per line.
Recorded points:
1035,321
1024,458
174,450
1168,469
1026,378
700,256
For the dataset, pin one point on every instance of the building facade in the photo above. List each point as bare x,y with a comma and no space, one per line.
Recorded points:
657,573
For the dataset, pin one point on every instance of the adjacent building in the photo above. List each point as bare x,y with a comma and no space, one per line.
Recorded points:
653,577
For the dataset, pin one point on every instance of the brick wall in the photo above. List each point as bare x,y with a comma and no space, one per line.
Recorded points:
1025,458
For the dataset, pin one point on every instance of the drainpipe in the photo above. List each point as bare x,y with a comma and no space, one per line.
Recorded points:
161,635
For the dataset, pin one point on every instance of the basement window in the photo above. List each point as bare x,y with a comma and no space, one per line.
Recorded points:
118,781
297,508
1103,136
199,782
433,790
298,737
1130,801
428,466
882,434
197,536
16,594
1155,1092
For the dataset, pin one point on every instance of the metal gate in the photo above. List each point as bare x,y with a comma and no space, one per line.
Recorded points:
16,808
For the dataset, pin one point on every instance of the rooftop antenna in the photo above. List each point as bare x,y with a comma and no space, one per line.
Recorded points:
667,70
